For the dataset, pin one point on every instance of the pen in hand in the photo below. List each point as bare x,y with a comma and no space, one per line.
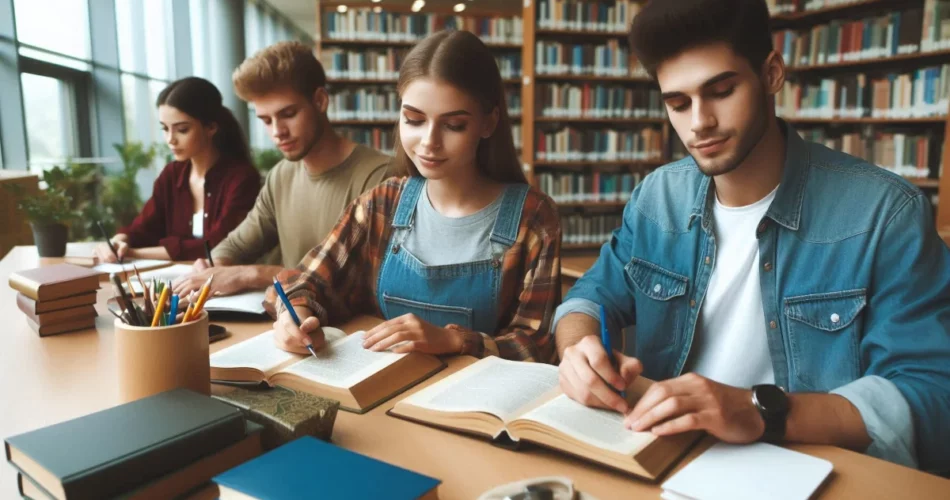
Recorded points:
105,235
208,253
290,309
605,342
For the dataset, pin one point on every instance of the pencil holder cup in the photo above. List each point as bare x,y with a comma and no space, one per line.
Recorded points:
153,360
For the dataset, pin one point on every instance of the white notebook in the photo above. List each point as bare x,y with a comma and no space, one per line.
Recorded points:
246,302
751,471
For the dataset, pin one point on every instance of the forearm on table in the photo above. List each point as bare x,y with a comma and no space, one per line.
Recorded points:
258,276
825,419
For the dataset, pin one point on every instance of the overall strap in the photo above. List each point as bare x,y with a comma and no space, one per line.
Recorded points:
508,220
407,202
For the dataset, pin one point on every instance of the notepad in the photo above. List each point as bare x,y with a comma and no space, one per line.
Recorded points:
752,471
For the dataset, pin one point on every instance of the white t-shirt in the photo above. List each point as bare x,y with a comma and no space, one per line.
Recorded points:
198,224
731,346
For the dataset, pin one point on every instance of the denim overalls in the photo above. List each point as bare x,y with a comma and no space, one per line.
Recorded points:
465,294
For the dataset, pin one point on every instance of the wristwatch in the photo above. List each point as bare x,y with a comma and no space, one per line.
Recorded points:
772,403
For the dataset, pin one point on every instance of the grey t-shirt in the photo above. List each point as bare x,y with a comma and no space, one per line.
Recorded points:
437,240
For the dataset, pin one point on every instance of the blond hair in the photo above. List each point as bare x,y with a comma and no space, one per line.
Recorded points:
279,66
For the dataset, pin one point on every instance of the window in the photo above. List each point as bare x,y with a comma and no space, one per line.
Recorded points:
51,121
60,26
143,35
138,108
200,46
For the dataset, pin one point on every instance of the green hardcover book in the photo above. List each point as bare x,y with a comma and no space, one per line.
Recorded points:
286,414
119,449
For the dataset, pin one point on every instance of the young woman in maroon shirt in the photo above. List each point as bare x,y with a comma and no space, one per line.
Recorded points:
202,195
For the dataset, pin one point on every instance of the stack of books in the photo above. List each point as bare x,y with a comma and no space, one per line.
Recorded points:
57,299
162,446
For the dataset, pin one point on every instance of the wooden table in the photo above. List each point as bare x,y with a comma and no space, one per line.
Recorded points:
49,380
573,267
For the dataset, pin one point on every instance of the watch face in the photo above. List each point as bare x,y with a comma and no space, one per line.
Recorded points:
771,398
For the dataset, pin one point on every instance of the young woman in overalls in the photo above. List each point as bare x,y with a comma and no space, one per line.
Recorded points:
459,255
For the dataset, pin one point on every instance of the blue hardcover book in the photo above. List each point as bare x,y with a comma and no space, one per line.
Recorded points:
310,468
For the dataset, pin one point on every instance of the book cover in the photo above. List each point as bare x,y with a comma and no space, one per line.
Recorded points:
58,328
331,472
61,316
285,413
117,449
30,306
54,282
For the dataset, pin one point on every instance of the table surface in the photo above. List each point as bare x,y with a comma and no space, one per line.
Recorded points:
48,380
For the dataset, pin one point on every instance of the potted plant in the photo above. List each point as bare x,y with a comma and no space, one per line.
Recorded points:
49,212
121,198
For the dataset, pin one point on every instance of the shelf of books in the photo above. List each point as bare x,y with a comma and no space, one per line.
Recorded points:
362,45
871,78
594,118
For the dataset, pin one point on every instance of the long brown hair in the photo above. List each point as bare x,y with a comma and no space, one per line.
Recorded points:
462,60
201,100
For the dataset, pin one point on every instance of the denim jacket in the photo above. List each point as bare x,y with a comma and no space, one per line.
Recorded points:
855,288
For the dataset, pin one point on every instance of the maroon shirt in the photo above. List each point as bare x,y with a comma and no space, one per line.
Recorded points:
231,187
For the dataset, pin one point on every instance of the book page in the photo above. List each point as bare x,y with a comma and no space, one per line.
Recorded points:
491,385
248,302
600,428
343,363
170,273
257,352
127,265
260,352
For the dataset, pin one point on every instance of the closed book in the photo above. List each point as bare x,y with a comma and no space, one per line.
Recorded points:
285,413
30,306
60,316
58,328
186,480
54,282
116,450
331,472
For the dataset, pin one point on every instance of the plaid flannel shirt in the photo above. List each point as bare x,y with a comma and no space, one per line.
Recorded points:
337,280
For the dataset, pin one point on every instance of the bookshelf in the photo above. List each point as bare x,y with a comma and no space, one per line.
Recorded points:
363,44
896,51
561,39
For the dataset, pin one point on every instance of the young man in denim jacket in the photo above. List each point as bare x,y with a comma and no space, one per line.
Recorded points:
781,291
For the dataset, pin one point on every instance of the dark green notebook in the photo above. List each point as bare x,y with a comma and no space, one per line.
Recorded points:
118,449
285,413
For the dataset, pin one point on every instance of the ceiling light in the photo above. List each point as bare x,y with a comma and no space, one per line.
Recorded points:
377,9
459,7
418,5
341,8
376,1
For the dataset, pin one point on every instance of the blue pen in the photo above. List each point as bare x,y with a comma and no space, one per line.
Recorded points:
173,310
605,342
290,309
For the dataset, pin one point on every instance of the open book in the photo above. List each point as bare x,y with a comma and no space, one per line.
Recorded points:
247,302
358,378
498,398
108,268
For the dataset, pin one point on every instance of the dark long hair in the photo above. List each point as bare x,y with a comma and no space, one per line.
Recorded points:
462,60
201,100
